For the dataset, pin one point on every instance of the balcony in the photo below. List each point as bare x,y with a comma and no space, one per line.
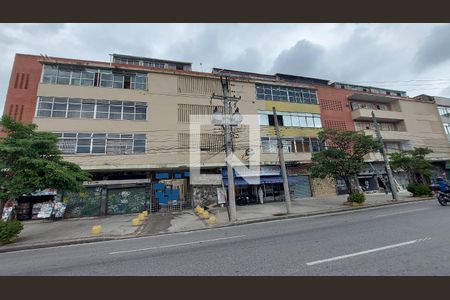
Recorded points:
363,114
390,135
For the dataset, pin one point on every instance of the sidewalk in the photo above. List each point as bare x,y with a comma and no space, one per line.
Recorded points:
188,220
39,233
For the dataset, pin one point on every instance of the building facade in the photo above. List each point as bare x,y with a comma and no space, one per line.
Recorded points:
127,122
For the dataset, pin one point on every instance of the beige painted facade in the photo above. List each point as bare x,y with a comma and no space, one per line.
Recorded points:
417,125
166,92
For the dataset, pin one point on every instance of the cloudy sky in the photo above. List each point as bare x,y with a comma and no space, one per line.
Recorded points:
410,57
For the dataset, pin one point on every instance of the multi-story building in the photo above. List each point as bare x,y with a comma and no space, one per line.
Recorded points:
127,122
404,122
443,108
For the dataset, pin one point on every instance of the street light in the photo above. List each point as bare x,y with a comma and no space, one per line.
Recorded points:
236,118
219,119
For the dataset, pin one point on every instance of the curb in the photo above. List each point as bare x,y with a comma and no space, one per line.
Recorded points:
137,233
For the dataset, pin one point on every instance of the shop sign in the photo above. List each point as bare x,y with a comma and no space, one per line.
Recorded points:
246,172
221,196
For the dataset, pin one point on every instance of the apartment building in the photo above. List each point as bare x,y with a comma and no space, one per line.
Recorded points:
127,122
443,108
404,122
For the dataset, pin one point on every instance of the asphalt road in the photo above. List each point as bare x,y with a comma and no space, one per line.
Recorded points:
406,239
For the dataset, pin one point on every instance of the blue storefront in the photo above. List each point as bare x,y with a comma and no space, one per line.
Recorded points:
268,186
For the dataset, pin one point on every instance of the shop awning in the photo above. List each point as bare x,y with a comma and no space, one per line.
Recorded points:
254,180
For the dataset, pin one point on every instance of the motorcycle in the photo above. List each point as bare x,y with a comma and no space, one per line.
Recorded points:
443,198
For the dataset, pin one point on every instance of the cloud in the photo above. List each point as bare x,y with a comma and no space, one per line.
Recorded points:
250,59
434,49
367,53
301,59
445,92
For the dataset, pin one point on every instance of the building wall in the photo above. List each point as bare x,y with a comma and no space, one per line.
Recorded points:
22,89
165,93
335,111
323,187
441,101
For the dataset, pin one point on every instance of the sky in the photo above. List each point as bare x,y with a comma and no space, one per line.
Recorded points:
410,57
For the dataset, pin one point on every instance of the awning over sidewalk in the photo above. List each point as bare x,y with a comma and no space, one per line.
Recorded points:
254,180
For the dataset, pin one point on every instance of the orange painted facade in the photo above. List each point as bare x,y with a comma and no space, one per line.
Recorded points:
335,111
22,90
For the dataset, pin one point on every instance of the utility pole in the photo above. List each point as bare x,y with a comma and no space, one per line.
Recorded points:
386,161
287,194
227,100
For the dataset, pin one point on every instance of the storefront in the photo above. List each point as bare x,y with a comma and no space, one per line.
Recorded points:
28,207
267,187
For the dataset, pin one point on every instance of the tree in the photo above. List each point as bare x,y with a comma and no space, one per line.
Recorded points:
344,156
31,161
413,162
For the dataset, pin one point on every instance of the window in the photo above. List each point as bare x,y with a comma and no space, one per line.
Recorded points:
292,145
106,79
284,93
72,108
443,111
67,142
370,126
272,120
364,105
392,147
72,75
447,128
63,76
101,143
263,119
50,74
59,108
289,119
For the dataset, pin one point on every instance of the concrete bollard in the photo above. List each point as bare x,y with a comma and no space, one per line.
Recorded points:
145,213
96,229
212,220
141,217
201,211
205,215
135,222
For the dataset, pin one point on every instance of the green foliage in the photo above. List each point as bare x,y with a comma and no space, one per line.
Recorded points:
344,156
31,161
413,162
356,197
418,189
9,230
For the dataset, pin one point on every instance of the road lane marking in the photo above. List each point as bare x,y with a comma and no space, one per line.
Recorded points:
402,212
366,251
178,245
356,211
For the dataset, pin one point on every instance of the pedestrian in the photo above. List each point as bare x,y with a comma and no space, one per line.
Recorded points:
261,195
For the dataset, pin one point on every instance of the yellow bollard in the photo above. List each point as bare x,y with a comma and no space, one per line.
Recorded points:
197,208
205,215
141,217
201,210
135,222
96,229
145,213
212,220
